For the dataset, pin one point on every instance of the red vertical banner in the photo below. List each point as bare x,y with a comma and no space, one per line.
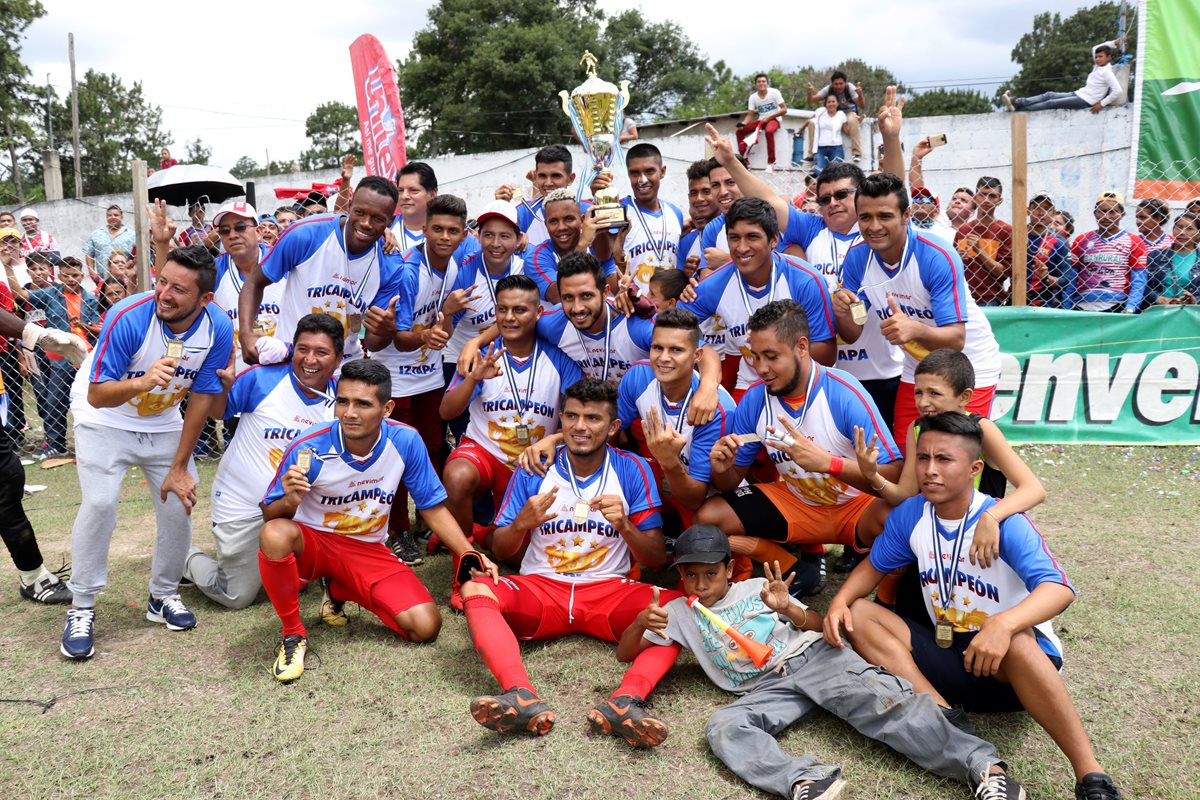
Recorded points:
380,116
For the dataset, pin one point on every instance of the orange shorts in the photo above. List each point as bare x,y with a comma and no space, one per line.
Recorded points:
773,511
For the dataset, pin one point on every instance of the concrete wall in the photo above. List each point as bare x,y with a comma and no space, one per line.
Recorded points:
1074,155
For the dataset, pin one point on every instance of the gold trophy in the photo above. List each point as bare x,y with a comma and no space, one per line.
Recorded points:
596,110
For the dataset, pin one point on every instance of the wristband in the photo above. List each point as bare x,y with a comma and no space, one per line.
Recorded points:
881,486
836,464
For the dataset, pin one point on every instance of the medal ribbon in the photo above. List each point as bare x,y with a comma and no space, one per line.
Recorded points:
659,245
607,334
947,583
741,284
510,374
574,481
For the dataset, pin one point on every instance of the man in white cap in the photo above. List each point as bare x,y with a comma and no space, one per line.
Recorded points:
34,239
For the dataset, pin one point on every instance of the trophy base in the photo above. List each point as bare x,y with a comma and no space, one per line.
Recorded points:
612,216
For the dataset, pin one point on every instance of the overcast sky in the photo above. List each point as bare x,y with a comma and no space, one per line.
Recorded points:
243,76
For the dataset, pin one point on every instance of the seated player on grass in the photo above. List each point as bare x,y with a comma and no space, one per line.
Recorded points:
583,524
806,414
800,673
326,515
945,381
993,647
514,395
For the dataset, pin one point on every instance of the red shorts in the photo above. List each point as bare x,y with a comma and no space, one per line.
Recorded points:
538,607
494,474
730,365
906,409
367,573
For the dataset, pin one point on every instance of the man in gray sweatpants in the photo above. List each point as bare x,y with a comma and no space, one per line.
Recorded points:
155,348
784,670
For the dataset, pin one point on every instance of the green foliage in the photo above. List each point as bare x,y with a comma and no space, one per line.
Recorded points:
938,102
116,124
1056,55
333,130
20,103
197,152
485,74
244,168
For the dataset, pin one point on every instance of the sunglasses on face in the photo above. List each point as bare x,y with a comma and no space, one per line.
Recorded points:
241,227
839,195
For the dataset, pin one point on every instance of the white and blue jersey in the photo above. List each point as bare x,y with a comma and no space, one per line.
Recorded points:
423,291
724,296
406,238
353,496
977,592
323,277
834,403
593,550
606,355
539,380
132,340
274,410
640,391
229,288
544,262
930,285
469,322
872,357
532,221
714,235
653,240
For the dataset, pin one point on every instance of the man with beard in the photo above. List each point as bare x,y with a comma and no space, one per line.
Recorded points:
155,349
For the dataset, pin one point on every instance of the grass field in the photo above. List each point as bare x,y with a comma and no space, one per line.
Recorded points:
171,715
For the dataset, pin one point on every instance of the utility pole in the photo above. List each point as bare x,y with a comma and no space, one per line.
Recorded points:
75,116
49,114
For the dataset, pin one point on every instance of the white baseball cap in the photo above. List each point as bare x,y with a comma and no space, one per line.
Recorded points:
499,208
28,212
238,208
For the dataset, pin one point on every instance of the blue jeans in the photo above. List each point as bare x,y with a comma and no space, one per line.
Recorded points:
1049,100
827,154
53,394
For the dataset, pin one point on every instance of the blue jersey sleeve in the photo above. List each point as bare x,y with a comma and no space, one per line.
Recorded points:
122,335
892,550
942,273
745,420
389,280
419,476
640,490
852,407
552,323
409,279
633,382
641,331
706,436
569,372
1024,550
708,238
207,381
854,265
801,228
251,388
810,290
297,244
521,487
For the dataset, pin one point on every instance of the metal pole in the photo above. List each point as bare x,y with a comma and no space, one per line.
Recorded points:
49,111
75,116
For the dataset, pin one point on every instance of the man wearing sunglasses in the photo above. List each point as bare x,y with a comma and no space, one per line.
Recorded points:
237,226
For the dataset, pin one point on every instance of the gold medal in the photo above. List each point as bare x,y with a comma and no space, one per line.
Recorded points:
522,434
304,460
355,321
258,329
582,510
175,349
858,313
517,195
944,635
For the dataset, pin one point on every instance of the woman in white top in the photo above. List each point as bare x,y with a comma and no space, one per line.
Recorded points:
828,124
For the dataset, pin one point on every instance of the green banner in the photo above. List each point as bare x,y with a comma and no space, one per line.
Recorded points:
1168,100
1090,378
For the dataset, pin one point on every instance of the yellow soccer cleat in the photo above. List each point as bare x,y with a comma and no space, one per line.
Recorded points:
289,664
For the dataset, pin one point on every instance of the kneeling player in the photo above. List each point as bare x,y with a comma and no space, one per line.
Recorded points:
794,673
514,395
586,521
327,513
992,647
806,414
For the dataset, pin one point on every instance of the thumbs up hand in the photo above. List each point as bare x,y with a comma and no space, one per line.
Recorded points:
654,617
899,328
437,336
382,321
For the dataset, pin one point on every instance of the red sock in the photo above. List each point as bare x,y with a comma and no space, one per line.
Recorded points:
495,642
281,579
647,670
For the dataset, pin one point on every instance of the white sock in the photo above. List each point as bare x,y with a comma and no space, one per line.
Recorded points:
30,576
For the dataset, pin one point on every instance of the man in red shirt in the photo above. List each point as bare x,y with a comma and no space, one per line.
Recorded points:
985,244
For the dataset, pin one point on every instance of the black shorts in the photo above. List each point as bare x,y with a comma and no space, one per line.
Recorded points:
756,512
943,667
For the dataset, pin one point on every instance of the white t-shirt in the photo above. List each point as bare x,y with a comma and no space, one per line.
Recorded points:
764,105
653,240
829,129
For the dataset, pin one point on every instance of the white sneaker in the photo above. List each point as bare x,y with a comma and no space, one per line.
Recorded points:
770,167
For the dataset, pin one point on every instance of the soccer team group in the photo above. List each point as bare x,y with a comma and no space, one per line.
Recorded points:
757,381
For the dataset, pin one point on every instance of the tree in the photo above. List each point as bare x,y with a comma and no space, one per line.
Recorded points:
333,130
197,152
485,74
1056,55
18,98
937,102
116,124
244,168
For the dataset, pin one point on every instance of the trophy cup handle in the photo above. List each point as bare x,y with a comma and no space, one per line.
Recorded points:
623,96
566,102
